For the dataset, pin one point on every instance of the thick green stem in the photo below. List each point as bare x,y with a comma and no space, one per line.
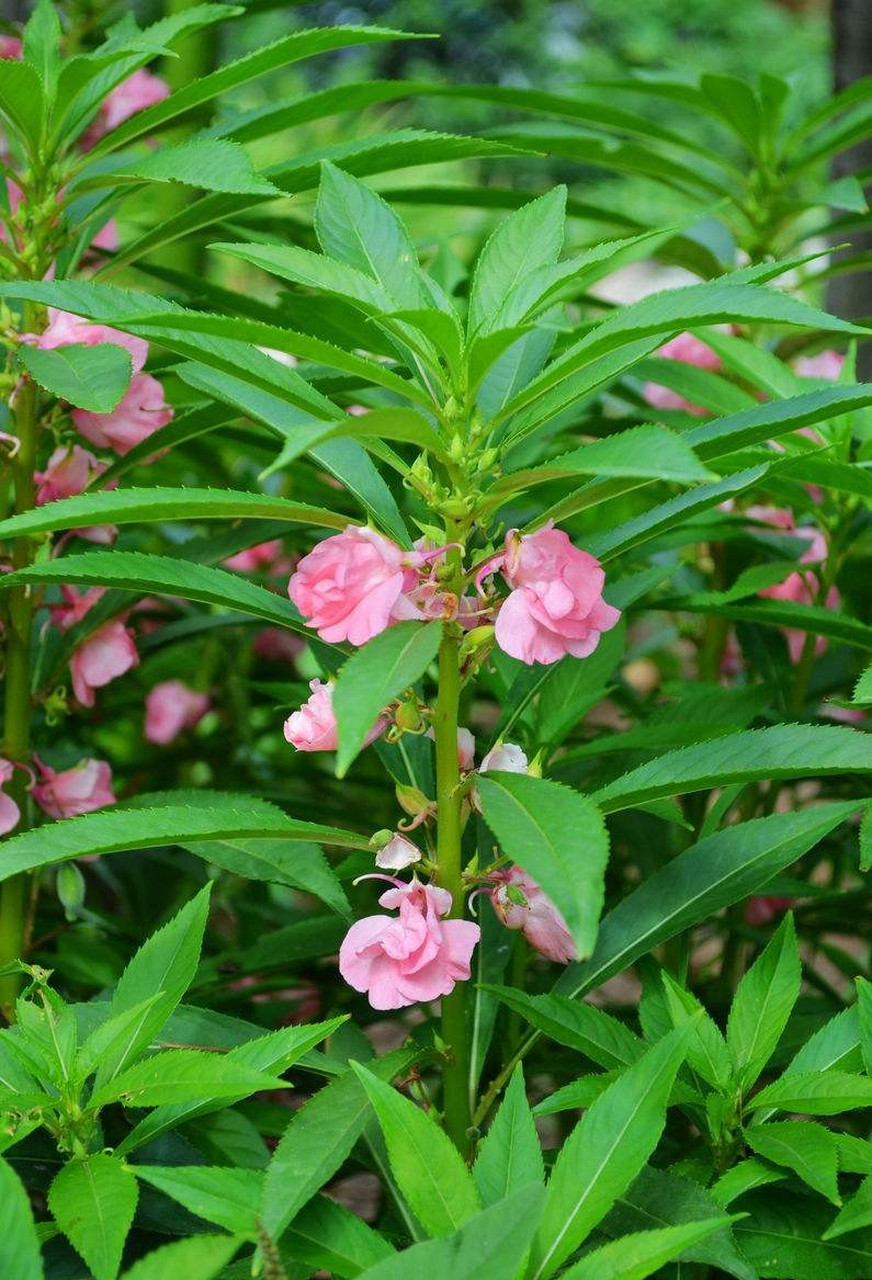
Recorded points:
456,1104
15,893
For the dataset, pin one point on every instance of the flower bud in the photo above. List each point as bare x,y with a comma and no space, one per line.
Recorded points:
408,716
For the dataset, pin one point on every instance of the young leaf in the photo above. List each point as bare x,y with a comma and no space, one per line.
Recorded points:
510,1156
636,1256
375,675
763,1002
19,1243
209,164
428,1168
827,1093
228,1197
559,837
529,238
707,1051
199,1258
93,1201
605,1153
855,1214
93,378
580,1026
808,1149
327,1237
181,1075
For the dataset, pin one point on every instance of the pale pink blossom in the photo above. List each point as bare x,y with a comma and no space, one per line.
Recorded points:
801,588
65,329
411,958
170,708
68,472
141,411
11,47
313,727
505,757
686,349
10,814
826,365
353,585
140,90
71,792
520,903
255,559
101,658
783,518
556,605
107,237
397,854
74,606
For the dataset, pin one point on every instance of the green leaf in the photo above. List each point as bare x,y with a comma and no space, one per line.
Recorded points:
288,862
359,228
428,1168
19,1243
42,39
782,1237
144,506
200,1258
181,1075
636,1256
583,1027
228,1197
774,419
209,165
314,271
763,1003
93,378
375,675
707,1052
808,1149
22,101
721,869
856,1213
529,238
327,1237
93,1202
745,1176
510,1157
317,1141
569,687
151,828
605,1153
783,751
490,1244
559,837
159,973
827,1093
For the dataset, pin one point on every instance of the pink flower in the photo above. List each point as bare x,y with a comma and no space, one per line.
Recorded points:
520,904
85,787
101,658
64,330
9,811
138,91
68,472
274,644
556,605
826,365
141,411
10,47
397,854
686,349
107,237
465,748
75,606
416,956
170,708
505,757
801,588
783,518
760,911
353,585
313,727
255,559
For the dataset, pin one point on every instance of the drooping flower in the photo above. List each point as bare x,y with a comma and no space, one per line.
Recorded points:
65,329
170,708
520,903
313,727
465,748
556,605
101,658
686,349
71,792
411,958
397,854
10,813
140,412
353,585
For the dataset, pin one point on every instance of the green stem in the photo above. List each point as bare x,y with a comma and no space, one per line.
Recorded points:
456,1103
15,892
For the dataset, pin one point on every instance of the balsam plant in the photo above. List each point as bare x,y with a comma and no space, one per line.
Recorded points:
487,501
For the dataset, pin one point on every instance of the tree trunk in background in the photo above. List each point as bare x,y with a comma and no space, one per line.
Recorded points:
851,295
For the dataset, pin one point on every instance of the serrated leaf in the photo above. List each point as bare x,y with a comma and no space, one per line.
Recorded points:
763,1003
635,1256
808,1149
782,1237
228,1197
93,378
181,1075
583,1027
200,1258
510,1157
93,1202
328,1237
827,1093
19,1244
530,237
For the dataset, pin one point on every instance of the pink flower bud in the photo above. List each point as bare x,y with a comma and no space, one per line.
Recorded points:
313,727
763,910
10,814
556,605
85,787
413,957
397,854
140,413
65,330
352,586
101,658
170,708
520,904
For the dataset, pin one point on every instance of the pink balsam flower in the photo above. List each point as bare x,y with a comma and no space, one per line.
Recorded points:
140,90
170,708
686,349
520,903
465,748
826,365
65,329
11,48
398,854
75,605
556,605
101,658
313,727
10,813
72,792
411,958
801,588
505,757
68,472
255,559
141,411
353,585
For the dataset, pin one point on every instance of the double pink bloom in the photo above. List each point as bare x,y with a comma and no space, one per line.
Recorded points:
414,957
313,727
